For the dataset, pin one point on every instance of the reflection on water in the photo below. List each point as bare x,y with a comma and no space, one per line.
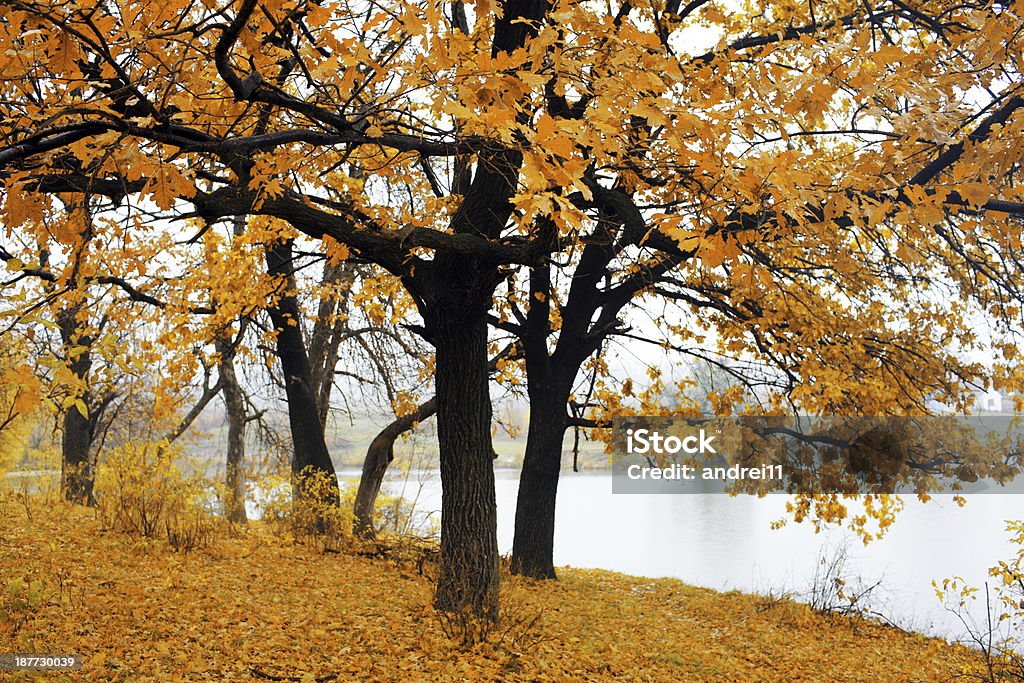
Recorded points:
727,543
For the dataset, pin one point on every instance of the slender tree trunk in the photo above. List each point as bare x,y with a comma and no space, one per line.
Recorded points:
378,456
469,542
533,543
77,475
310,455
549,379
234,504
328,330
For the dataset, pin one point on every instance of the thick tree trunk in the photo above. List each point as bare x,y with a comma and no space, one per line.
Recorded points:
77,476
378,456
533,544
469,545
234,503
310,456
460,291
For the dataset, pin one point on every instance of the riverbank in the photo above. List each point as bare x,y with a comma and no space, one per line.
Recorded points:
254,605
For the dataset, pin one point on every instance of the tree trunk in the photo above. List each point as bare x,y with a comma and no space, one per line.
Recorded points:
310,456
533,544
378,456
469,545
549,378
234,503
328,330
77,475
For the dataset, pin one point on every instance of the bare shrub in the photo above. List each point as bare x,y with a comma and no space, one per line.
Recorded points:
999,634
141,492
834,590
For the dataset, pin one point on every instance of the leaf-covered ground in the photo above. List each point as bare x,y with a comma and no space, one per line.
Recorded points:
252,607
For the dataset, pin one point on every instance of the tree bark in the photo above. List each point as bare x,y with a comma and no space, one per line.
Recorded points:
533,543
234,401
454,295
310,456
468,578
378,456
77,475
549,377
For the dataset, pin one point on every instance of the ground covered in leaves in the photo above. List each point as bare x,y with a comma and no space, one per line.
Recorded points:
255,605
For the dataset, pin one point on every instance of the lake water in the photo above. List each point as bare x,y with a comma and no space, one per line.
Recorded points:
727,543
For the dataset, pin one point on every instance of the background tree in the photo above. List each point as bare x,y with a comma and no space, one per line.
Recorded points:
77,323
20,399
